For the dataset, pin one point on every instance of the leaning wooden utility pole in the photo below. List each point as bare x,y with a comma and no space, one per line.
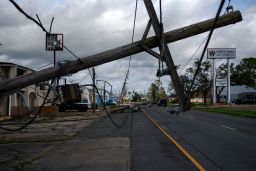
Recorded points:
114,54
93,90
185,105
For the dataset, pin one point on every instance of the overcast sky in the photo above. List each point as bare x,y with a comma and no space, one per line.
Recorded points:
93,26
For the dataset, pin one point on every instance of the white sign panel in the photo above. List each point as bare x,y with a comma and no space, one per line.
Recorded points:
221,82
221,53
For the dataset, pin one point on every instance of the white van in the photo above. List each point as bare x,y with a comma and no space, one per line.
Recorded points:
85,97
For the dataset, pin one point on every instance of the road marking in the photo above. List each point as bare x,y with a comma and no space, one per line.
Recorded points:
223,126
199,166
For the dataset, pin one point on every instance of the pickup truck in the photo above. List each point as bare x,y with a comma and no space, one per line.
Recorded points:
72,99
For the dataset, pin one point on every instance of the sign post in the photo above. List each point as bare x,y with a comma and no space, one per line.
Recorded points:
214,82
228,101
54,42
221,53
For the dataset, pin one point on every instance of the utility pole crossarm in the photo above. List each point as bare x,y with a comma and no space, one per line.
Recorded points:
114,54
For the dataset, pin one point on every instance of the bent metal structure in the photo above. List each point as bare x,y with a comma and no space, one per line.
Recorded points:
115,54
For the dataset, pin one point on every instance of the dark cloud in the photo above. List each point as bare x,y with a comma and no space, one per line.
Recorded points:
93,26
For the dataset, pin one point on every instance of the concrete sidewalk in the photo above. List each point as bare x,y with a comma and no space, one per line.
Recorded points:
95,146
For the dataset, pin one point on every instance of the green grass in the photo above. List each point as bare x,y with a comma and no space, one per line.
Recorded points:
229,111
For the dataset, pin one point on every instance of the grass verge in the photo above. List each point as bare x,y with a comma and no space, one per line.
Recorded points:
229,111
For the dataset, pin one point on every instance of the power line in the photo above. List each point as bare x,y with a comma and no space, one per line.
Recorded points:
104,106
205,47
32,119
193,55
133,31
161,64
23,119
39,23
44,66
84,77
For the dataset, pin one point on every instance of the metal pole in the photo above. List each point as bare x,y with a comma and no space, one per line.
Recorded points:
228,101
214,82
104,92
111,92
110,87
10,105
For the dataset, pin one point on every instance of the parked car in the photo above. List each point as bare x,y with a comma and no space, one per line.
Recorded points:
110,103
175,108
162,102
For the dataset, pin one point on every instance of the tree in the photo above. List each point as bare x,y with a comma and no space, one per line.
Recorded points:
153,92
185,82
221,73
244,73
136,97
156,91
162,93
202,82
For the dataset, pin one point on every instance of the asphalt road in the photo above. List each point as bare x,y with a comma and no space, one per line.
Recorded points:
218,142
151,150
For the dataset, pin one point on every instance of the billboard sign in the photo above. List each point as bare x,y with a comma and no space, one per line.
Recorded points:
54,42
221,53
221,82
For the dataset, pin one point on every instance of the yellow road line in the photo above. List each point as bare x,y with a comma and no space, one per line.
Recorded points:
199,166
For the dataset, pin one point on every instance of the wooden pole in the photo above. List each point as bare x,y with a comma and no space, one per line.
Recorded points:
55,80
114,54
104,95
185,105
93,92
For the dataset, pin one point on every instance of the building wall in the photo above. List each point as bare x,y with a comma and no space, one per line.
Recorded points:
25,98
236,93
200,100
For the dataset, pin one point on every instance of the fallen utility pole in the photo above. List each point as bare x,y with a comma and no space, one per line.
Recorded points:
114,54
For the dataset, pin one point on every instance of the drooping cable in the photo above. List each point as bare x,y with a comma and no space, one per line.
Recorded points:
229,7
130,58
25,119
44,66
205,47
162,38
33,118
39,23
104,106
192,56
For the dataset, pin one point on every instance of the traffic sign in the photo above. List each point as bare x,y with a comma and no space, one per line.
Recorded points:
221,53
221,82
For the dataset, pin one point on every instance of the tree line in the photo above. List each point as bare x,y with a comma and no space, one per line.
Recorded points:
243,73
